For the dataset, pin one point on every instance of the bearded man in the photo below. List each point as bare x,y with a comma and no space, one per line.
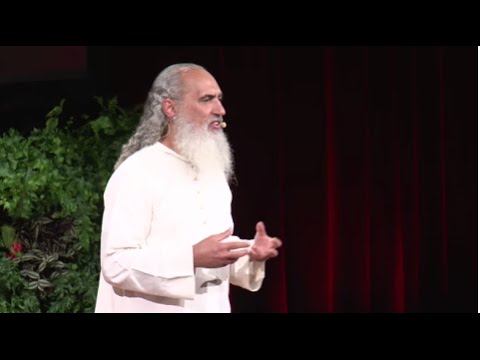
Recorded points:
167,240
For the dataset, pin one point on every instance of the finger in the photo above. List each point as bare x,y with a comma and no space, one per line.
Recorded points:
261,229
255,255
274,253
223,235
277,242
233,245
235,255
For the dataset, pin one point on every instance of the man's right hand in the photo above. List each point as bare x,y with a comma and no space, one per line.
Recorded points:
212,252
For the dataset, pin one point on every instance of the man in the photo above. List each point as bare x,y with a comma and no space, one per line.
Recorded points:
167,243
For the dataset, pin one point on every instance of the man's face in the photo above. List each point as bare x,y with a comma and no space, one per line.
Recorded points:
202,103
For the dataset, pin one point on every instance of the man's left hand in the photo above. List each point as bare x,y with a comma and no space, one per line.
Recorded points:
264,247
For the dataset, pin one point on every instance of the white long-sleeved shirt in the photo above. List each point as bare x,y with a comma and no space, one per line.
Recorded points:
156,209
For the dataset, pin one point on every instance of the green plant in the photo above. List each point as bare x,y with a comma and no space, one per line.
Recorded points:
51,186
14,293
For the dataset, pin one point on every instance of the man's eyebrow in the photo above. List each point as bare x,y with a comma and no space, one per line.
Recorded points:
211,96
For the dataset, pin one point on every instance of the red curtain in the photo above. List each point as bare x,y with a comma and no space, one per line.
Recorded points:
363,160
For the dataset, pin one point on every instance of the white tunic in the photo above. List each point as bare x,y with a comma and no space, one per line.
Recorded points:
156,209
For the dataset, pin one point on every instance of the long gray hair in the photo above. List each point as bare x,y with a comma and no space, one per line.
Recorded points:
153,123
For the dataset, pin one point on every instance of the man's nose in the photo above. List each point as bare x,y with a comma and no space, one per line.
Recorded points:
219,109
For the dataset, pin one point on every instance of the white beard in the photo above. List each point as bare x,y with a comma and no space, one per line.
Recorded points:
209,153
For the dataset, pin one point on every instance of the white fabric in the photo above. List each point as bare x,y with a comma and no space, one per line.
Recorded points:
156,209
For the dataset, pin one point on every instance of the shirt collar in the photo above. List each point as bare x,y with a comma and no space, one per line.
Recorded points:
169,151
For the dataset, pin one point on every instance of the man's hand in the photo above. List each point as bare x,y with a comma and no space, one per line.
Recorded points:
264,247
212,252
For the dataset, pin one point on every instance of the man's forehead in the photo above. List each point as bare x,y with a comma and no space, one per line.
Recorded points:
200,81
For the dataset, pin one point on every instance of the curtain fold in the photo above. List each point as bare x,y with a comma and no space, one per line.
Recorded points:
365,165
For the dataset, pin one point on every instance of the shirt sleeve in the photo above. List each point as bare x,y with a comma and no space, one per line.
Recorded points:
246,273
128,261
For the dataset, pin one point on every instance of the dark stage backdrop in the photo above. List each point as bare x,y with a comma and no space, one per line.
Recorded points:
33,79
40,63
362,159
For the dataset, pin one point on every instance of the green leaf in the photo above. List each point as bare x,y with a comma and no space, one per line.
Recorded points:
42,266
52,123
30,274
56,111
8,235
32,285
44,283
28,257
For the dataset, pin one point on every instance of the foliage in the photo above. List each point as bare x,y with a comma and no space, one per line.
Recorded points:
14,296
51,186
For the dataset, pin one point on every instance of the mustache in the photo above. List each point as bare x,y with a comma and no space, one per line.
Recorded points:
215,119
219,120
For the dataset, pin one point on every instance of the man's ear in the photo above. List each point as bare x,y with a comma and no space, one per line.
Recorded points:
168,108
